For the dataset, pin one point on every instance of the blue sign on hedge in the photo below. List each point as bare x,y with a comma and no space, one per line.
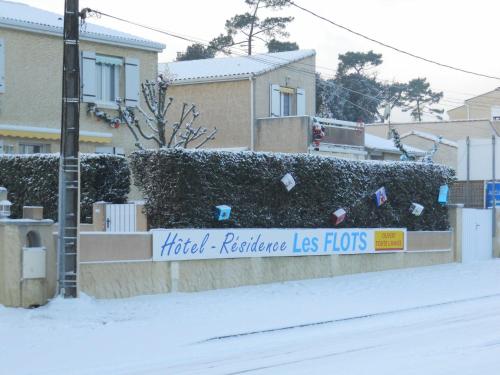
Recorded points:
443,194
489,194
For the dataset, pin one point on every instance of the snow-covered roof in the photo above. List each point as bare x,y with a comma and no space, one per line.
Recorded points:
24,17
431,137
387,145
230,68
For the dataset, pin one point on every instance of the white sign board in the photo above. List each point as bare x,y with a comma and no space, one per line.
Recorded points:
190,244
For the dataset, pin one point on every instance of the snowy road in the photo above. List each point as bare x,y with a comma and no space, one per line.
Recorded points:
433,320
462,338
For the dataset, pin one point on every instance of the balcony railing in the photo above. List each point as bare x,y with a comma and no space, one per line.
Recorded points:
338,132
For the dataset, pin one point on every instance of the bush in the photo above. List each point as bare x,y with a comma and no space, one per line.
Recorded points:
32,180
181,188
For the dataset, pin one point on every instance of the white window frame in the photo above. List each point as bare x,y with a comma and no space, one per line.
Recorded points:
107,76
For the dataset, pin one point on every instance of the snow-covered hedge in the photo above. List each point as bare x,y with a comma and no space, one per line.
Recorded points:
181,188
33,180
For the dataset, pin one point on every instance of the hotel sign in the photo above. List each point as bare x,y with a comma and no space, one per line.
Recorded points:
191,244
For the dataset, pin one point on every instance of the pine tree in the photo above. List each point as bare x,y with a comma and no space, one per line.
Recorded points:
197,51
419,99
355,93
253,28
276,46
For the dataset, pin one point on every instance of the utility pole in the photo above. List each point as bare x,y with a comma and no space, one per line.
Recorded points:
69,173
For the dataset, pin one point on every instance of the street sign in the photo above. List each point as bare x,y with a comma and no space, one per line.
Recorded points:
489,194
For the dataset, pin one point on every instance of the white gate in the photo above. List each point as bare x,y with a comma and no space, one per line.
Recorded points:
120,217
476,235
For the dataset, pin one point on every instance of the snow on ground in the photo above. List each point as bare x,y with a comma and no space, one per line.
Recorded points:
433,320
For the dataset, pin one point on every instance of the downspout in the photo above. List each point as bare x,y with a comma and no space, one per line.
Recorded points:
494,191
252,112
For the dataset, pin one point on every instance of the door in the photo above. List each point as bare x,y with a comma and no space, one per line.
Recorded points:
476,235
120,217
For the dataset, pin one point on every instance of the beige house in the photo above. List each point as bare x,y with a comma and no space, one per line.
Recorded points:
423,135
113,64
482,107
233,93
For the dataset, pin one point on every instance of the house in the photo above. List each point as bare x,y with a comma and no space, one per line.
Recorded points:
31,48
446,152
379,148
233,93
423,135
481,107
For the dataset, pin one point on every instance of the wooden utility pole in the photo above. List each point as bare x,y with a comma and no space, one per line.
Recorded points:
69,174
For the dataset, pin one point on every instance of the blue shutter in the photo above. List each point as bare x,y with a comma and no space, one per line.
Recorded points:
132,82
88,77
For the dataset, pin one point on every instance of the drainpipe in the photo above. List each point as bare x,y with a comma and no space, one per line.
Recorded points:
467,198
494,191
252,112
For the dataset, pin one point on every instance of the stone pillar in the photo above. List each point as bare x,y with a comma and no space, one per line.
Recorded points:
28,265
141,220
99,216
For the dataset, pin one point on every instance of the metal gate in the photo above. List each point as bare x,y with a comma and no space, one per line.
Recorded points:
476,235
120,217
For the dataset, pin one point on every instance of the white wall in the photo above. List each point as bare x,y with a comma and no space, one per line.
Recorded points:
481,159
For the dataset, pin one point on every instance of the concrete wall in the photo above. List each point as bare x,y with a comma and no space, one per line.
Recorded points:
283,134
222,105
110,266
13,290
33,65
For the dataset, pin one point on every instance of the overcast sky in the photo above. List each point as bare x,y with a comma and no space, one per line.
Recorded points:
454,32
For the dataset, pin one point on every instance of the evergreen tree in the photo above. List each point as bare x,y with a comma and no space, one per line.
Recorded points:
277,46
419,98
197,51
354,94
252,27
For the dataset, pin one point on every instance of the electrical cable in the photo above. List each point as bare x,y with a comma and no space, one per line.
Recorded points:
392,47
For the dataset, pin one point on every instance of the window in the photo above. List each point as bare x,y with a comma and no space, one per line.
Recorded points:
287,101
287,104
34,148
107,78
6,148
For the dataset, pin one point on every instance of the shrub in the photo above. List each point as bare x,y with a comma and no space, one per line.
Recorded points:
32,180
181,188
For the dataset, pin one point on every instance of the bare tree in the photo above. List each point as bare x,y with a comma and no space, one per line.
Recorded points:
154,125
